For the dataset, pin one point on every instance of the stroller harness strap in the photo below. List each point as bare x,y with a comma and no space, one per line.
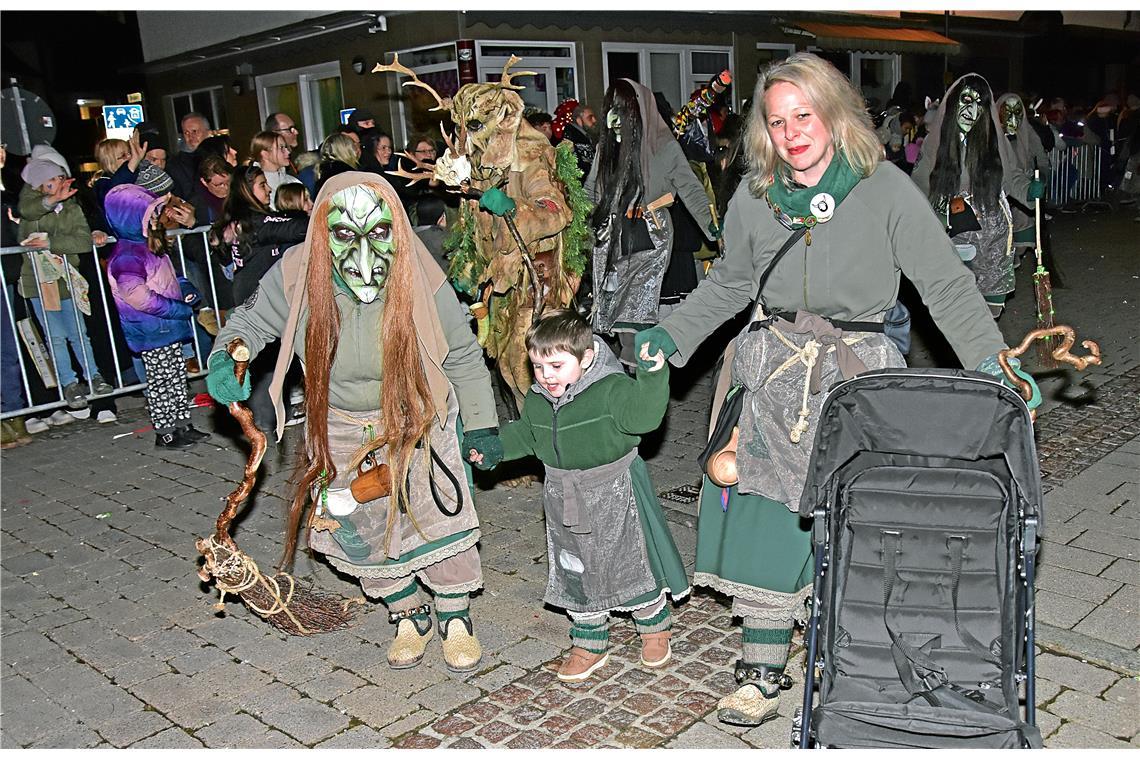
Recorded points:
957,545
913,665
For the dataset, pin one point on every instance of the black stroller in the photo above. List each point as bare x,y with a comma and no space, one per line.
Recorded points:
926,497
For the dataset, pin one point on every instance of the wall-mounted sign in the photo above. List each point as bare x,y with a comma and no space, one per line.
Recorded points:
345,113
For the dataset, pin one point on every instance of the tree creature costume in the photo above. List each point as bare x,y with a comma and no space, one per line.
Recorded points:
1030,155
967,169
496,152
394,376
638,165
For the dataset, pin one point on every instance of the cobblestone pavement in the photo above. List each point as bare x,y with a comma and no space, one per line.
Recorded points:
110,640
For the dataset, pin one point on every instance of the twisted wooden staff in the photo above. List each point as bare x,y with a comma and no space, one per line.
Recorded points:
1060,353
297,611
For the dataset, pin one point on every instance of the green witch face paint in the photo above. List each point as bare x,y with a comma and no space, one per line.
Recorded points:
360,237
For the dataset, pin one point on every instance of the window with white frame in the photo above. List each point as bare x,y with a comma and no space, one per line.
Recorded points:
436,66
208,102
768,53
873,74
673,70
554,65
311,95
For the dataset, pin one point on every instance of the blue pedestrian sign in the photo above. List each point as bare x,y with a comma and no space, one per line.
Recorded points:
345,113
120,120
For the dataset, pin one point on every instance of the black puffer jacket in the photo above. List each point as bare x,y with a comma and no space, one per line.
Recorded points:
270,235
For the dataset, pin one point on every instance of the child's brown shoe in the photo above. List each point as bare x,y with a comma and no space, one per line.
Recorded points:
580,664
655,650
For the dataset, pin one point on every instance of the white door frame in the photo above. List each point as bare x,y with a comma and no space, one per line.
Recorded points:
684,51
301,77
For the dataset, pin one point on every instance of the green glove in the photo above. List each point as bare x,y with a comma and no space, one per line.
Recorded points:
497,202
221,383
484,441
1036,190
714,230
654,339
990,366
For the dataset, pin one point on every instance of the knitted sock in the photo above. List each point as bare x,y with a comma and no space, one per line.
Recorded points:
654,618
451,606
590,633
400,599
765,645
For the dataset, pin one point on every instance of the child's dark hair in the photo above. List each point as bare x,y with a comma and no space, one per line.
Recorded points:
560,330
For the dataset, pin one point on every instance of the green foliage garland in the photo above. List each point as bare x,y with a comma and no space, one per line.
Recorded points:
576,238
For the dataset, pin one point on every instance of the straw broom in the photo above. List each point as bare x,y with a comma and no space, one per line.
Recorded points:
277,598
1043,294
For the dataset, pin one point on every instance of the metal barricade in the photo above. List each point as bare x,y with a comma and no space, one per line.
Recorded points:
1076,176
51,352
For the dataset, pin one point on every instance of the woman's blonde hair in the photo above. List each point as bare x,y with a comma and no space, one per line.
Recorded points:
291,197
837,104
107,155
340,147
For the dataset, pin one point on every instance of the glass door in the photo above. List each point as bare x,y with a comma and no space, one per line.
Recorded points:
312,96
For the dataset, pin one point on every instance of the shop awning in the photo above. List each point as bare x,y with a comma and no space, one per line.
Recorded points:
877,39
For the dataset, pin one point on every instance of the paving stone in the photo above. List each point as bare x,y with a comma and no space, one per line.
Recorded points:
512,696
1073,673
530,738
129,729
697,702
1072,557
171,738
375,706
702,736
306,720
1112,718
497,678
416,741
642,704
452,725
70,736
1126,690
1079,736
1109,543
358,737
416,720
529,653
525,714
1061,611
1075,584
446,696
497,732
560,725
465,742
637,738
330,685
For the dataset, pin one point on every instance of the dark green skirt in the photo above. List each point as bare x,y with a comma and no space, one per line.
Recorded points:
664,560
755,545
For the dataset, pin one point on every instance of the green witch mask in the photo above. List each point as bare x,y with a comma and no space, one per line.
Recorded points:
360,237
1011,113
969,108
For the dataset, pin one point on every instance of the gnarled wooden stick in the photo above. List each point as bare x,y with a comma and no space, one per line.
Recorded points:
239,351
1060,353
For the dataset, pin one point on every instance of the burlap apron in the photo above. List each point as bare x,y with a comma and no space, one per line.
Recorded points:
777,409
594,541
631,293
357,546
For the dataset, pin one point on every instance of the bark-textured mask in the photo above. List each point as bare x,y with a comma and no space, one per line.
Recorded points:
969,109
1011,114
487,118
360,238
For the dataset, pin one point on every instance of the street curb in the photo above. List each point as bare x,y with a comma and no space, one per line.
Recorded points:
1087,648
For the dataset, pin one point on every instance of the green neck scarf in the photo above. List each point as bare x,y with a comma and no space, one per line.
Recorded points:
792,206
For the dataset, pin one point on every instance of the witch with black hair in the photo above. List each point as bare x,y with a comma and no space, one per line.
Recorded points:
967,169
638,166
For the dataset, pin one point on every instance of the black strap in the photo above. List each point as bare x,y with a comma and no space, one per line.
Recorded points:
436,496
956,545
917,671
796,235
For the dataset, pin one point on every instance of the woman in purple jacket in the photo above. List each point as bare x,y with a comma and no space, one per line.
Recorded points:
156,317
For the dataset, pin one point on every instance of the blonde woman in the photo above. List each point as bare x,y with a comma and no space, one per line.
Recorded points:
340,152
851,224
270,153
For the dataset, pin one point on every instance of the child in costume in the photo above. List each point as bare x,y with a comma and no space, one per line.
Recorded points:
609,547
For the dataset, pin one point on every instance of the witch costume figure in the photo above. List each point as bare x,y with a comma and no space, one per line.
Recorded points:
638,171
968,171
393,379
1030,155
